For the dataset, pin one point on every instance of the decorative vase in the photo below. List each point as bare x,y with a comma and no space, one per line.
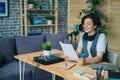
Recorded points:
31,6
49,22
47,52
40,7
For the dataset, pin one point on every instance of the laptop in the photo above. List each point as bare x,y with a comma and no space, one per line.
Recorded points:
46,60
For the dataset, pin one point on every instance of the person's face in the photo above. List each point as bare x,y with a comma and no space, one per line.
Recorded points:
89,26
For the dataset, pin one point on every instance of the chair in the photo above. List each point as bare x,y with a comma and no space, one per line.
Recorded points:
112,57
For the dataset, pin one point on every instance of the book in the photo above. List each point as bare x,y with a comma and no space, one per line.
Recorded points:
81,74
66,65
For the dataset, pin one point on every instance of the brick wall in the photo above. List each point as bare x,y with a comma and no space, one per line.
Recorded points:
10,25
62,15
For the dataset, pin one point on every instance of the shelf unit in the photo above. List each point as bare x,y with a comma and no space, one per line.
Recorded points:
24,16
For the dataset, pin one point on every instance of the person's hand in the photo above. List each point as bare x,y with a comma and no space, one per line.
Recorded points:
66,57
78,60
81,61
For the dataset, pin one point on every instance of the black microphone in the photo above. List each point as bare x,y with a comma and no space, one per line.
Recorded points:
81,27
76,30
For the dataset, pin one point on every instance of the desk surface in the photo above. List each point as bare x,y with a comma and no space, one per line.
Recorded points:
53,68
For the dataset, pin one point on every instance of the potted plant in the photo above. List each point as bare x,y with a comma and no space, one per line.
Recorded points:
50,19
30,4
46,46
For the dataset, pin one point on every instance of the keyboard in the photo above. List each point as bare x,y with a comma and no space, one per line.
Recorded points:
46,60
104,66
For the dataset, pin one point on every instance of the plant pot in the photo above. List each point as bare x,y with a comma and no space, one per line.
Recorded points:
49,22
31,6
47,52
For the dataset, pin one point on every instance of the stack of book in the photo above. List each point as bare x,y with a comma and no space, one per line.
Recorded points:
81,74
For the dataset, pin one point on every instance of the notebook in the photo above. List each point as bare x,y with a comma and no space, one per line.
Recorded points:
66,65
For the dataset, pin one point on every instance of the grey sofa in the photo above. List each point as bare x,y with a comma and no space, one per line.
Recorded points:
11,46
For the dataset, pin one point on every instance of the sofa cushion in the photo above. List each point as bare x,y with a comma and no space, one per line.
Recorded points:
7,48
55,38
26,44
10,71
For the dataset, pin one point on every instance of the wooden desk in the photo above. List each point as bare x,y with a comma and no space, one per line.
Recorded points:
53,68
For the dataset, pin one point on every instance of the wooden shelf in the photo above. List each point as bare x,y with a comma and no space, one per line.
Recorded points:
25,19
41,10
37,25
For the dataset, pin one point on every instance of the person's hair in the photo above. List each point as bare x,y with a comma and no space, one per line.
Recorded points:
94,17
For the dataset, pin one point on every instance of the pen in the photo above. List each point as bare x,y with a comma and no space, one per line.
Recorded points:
97,74
65,64
102,74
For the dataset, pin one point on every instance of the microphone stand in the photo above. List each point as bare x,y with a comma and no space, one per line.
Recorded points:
75,37
75,41
71,35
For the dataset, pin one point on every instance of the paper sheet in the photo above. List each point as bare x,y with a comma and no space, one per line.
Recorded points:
69,51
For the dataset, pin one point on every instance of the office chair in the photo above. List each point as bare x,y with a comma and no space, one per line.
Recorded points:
112,57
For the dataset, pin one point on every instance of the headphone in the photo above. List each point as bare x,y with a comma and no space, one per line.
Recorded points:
89,37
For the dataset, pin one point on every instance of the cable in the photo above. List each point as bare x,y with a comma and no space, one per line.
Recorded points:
38,61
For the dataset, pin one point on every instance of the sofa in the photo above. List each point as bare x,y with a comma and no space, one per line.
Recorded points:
15,45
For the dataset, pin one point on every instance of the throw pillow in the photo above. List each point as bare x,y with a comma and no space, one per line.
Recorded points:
27,44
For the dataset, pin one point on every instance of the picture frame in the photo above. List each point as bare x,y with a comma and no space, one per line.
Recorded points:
3,8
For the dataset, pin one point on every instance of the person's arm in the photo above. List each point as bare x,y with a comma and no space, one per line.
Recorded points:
96,59
79,50
80,45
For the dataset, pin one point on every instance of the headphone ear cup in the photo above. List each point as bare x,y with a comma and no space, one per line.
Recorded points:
85,36
89,38
81,27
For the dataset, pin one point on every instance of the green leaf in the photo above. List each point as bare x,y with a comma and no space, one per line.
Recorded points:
30,1
94,9
46,46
